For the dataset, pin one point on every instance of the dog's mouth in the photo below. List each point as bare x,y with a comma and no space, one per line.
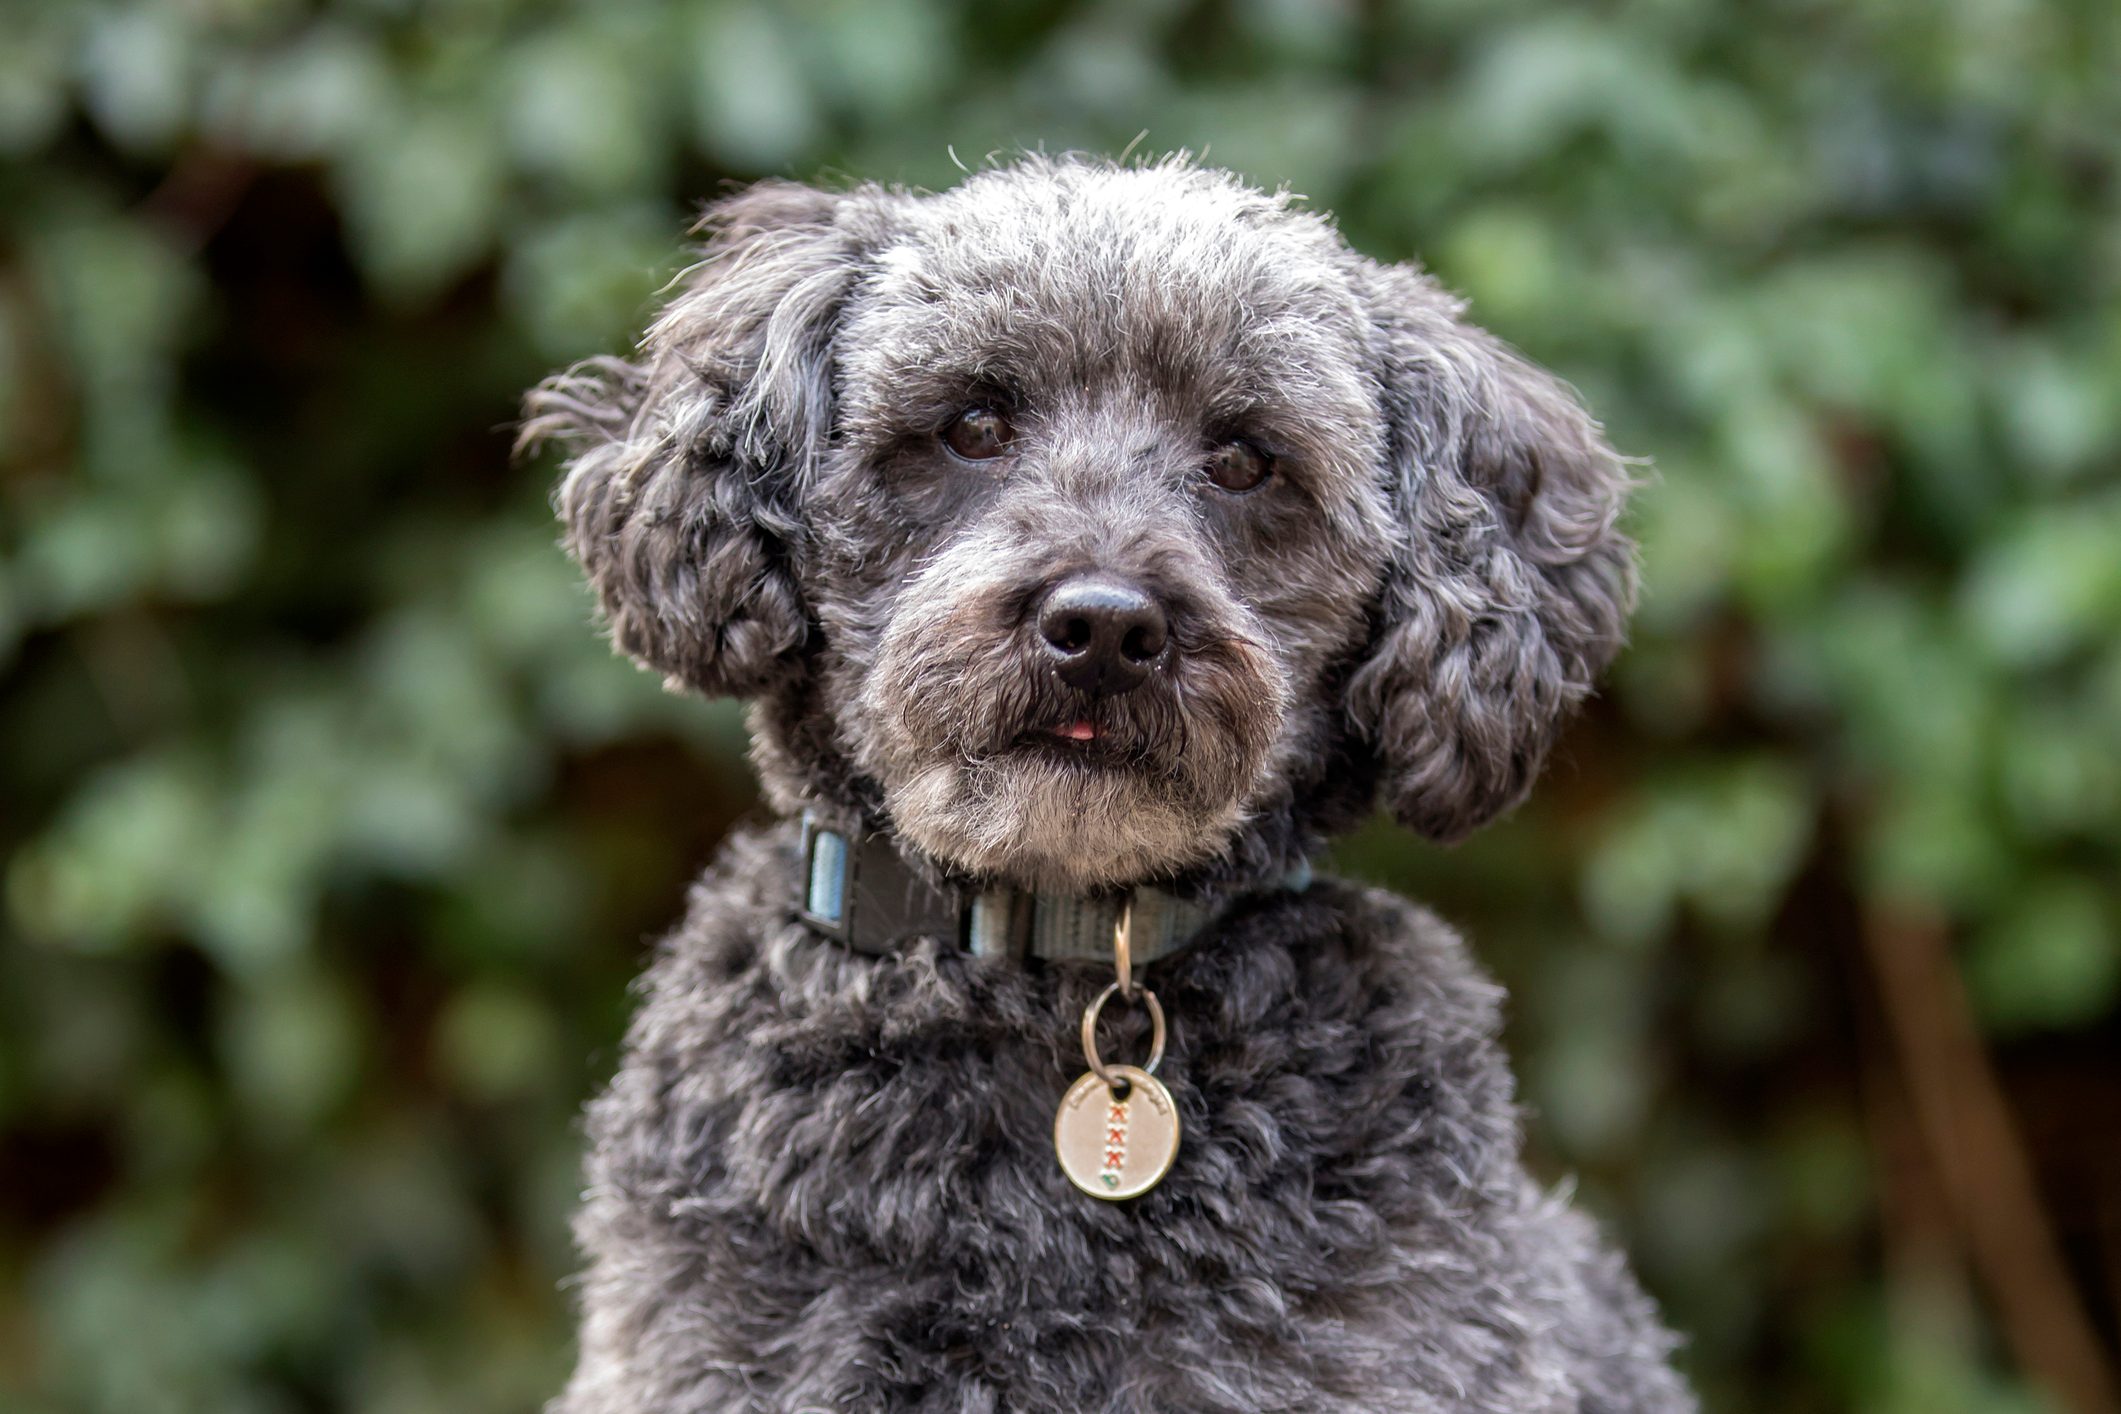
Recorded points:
1081,740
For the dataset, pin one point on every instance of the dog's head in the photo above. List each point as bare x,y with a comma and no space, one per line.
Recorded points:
1094,524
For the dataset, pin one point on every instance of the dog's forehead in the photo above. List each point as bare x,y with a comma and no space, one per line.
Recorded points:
1058,275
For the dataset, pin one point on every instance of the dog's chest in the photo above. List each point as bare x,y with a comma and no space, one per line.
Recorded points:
857,1157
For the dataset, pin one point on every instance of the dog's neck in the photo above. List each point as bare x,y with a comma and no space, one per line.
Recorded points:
859,890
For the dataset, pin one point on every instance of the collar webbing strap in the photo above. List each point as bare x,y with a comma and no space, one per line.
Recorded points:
863,894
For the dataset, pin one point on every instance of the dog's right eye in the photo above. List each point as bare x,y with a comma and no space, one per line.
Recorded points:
1238,467
978,434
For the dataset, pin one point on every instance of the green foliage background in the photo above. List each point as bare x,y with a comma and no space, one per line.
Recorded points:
333,833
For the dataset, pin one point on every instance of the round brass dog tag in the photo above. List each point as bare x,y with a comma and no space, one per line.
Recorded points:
1113,1148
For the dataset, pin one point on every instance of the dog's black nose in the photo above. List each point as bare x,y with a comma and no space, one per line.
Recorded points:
1104,633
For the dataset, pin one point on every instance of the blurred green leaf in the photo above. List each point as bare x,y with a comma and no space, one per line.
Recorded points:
2053,960
138,66
423,193
2049,584
313,98
494,1042
1724,840
752,103
581,283
292,1045
33,96
577,110
116,868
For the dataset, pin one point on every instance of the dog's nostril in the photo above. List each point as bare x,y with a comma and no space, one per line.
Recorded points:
1074,636
1142,643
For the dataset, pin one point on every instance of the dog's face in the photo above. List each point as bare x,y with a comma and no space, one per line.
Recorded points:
1084,521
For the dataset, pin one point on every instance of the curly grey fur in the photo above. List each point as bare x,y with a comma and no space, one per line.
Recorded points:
825,1180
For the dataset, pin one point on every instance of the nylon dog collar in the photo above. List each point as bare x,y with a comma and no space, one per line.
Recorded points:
861,893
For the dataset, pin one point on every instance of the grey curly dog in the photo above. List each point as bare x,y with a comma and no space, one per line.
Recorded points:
1085,535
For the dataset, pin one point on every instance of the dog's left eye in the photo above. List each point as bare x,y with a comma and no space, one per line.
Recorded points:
979,434
1238,466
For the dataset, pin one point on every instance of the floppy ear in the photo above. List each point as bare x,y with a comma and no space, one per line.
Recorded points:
686,462
1509,583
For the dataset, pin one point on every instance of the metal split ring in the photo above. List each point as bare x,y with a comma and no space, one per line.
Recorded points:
1123,948
1156,1033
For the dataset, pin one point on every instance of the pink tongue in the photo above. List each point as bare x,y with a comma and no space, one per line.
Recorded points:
1079,731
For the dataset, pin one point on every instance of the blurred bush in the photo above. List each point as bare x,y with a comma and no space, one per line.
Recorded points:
332,832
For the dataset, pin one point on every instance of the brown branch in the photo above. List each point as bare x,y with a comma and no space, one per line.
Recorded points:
198,194
1981,1161
1924,1256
